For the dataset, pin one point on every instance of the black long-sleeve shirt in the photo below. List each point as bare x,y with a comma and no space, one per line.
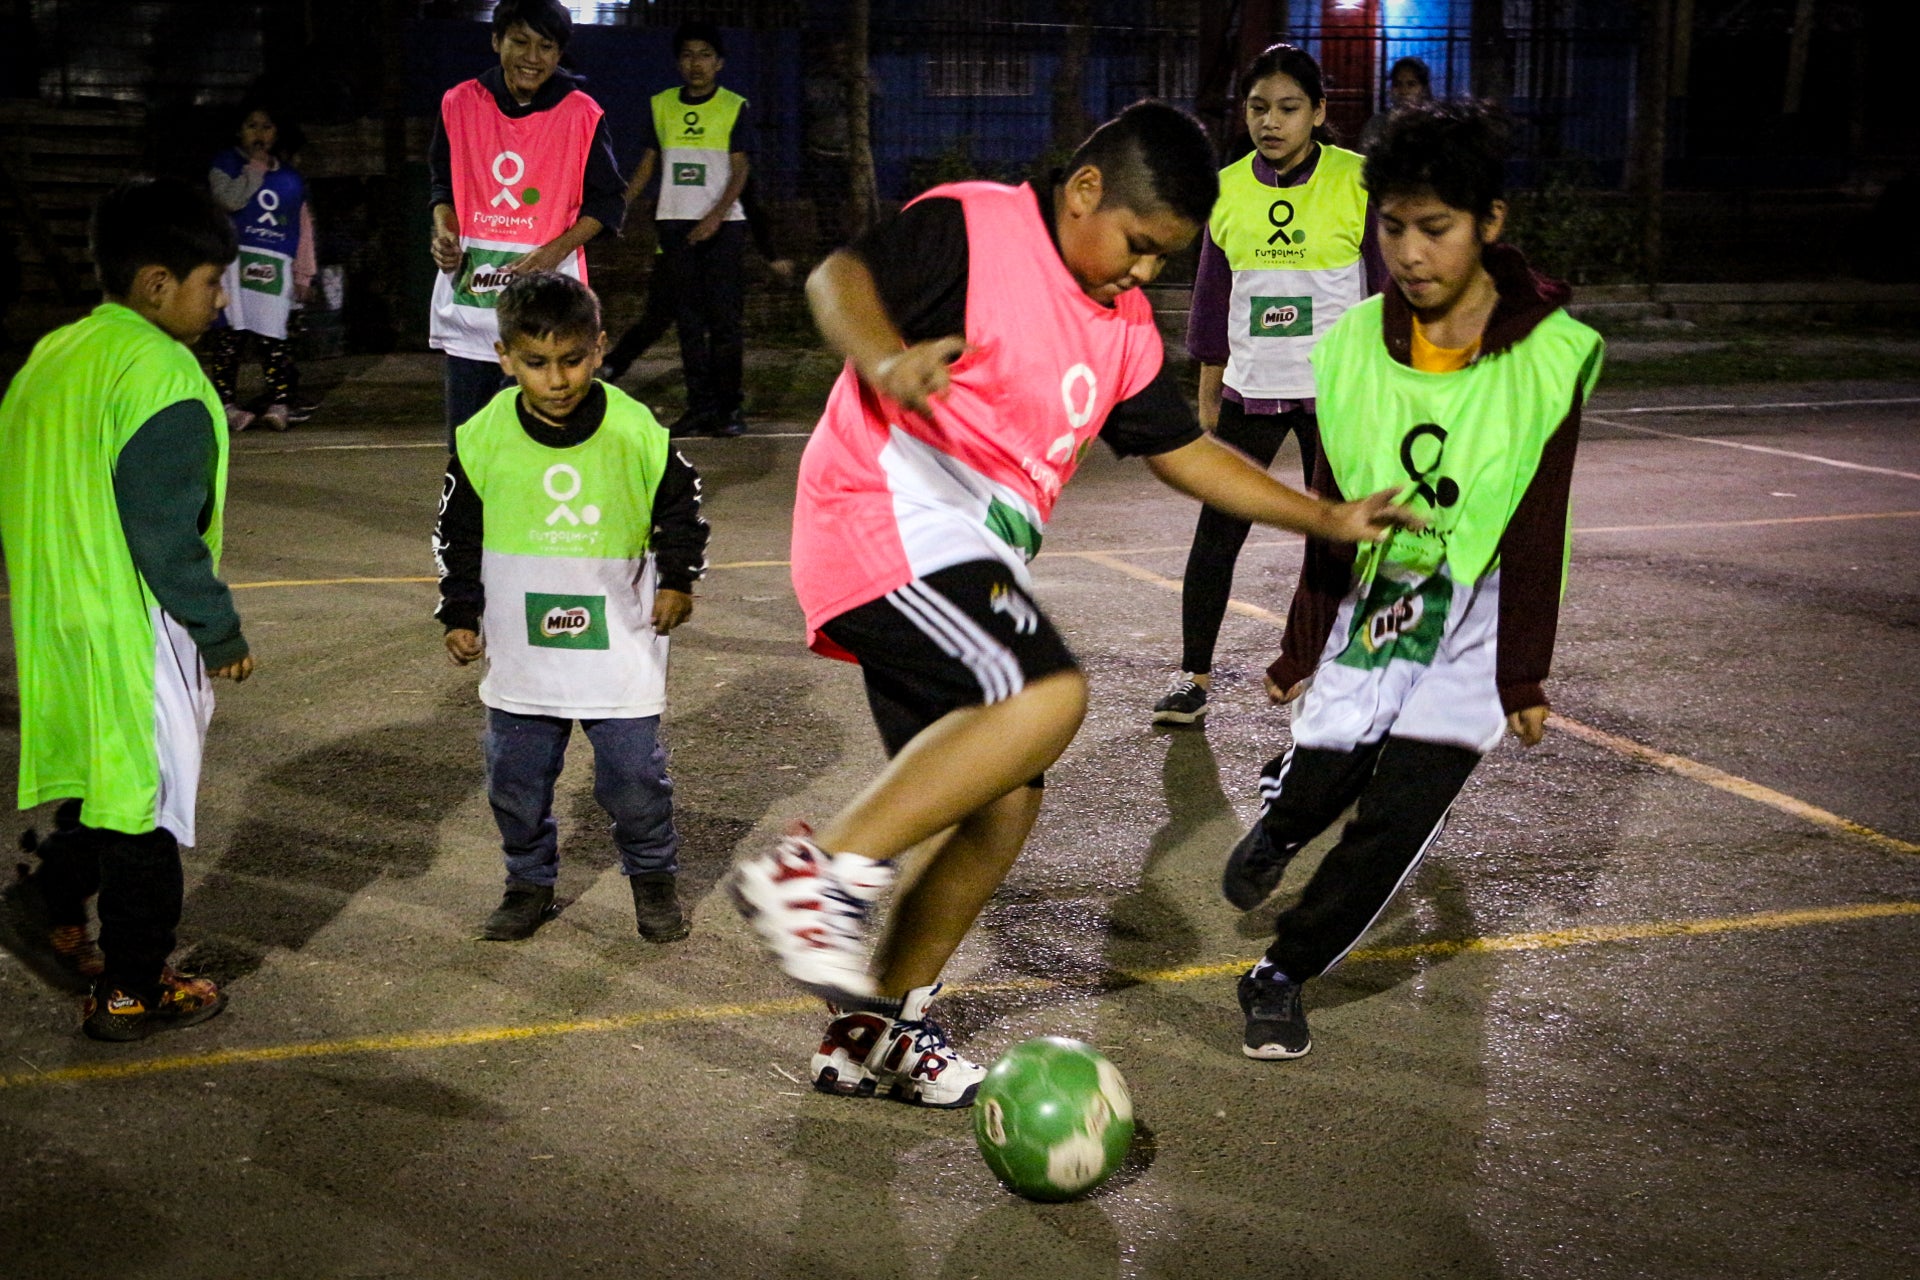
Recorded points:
678,541
163,488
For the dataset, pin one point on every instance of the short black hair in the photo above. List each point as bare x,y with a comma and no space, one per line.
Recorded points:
1419,69
549,18
157,221
546,304
1153,156
1457,150
698,31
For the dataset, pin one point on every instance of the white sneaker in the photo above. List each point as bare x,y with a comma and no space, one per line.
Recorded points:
810,909
276,416
238,419
906,1058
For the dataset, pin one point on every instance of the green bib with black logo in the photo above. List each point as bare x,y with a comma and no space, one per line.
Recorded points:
695,153
1295,257
1465,444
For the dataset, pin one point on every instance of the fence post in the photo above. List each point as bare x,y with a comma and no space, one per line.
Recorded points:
1648,160
863,187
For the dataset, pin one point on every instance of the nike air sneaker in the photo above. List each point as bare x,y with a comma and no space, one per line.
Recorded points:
113,1013
1276,1020
809,908
906,1057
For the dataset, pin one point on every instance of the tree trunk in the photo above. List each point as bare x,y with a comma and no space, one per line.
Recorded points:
1070,122
1648,160
863,187
1797,44
1492,51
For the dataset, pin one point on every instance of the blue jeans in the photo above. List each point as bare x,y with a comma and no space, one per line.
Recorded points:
524,755
470,384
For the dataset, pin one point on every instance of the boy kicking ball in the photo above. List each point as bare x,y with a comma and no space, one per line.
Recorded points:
1464,382
991,334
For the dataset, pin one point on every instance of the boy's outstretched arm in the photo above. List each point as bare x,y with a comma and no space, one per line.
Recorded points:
1226,480
853,319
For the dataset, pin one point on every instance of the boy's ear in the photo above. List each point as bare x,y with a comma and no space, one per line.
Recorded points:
500,350
1494,222
152,282
1085,187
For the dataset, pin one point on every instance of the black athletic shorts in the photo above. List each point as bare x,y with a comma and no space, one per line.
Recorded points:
960,637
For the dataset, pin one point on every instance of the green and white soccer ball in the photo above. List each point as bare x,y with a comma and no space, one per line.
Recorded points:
1053,1118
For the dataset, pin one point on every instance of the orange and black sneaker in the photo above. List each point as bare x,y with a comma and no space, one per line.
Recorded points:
59,955
113,1013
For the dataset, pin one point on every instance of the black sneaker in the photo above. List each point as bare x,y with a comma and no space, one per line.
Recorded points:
690,424
1276,1024
27,931
523,909
734,424
1185,702
1253,869
656,907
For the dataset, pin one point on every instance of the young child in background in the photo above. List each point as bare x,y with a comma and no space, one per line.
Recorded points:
1464,382
1289,248
110,512
992,333
569,540
267,199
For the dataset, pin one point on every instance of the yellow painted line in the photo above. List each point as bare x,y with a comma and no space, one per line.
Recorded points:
1746,524
1680,765
1730,783
1436,949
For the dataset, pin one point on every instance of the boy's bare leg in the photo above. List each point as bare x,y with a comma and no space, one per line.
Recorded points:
959,764
933,911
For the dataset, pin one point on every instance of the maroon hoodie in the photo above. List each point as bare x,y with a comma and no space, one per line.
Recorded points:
1533,548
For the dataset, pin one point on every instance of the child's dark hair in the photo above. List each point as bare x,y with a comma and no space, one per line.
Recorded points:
1290,60
698,31
1153,156
288,137
1457,150
549,18
1415,65
157,222
546,304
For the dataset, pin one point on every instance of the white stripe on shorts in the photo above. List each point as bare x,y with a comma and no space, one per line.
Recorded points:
993,664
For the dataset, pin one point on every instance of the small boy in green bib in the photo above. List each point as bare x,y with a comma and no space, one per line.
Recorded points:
113,478
1410,659
569,540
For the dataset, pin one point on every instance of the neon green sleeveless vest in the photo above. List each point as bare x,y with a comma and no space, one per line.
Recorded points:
1466,443
569,583
82,615
695,156
1295,257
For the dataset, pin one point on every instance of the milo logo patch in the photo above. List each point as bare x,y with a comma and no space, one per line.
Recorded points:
566,622
260,273
1281,318
689,174
1399,619
481,279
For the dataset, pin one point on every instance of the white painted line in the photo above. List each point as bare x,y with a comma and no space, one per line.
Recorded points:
436,444
1759,448
1776,404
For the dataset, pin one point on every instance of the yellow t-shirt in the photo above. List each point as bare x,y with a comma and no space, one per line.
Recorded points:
1428,358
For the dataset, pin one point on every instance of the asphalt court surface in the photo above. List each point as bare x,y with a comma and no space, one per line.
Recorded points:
1646,1010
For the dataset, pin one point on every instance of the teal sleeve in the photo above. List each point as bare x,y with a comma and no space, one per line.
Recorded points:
163,486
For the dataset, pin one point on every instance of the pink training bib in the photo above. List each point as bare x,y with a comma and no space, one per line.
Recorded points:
887,495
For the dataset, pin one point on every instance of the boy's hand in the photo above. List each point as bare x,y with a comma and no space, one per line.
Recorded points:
545,258
670,609
234,671
463,646
1370,519
446,250
706,229
1281,697
919,373
1529,725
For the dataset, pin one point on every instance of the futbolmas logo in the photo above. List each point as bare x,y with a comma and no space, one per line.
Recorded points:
508,169
692,126
566,622
1280,216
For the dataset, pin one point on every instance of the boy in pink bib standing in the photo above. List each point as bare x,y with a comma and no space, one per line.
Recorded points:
522,178
991,334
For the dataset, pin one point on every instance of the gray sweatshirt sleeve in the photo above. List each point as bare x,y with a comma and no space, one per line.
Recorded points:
233,193
163,486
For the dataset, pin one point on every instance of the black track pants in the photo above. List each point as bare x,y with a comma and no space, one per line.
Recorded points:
1404,789
1218,537
141,893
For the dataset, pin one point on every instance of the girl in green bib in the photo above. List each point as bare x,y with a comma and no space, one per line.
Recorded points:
1288,249
1409,660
